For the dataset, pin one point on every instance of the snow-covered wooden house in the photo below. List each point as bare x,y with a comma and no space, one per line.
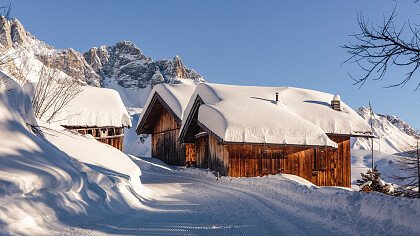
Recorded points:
99,112
245,131
162,118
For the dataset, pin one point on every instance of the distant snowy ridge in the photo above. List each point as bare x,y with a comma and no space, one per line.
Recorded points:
400,124
122,66
393,135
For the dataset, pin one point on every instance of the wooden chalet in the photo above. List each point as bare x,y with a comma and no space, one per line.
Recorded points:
244,131
162,118
99,112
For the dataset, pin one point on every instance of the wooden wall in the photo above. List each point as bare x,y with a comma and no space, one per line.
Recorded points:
209,154
113,136
165,144
321,166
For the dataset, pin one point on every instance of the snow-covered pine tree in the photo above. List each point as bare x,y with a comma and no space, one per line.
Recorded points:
371,181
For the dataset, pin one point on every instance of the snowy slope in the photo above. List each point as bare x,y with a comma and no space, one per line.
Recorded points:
390,139
67,181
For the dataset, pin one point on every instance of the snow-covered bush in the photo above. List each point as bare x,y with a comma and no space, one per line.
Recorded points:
371,181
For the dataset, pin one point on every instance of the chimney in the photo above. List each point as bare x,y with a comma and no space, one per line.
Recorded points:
335,103
277,97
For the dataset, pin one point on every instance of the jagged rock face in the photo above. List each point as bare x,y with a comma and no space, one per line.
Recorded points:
13,36
11,32
400,124
131,69
73,64
122,62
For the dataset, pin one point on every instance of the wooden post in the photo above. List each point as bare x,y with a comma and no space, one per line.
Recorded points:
371,128
418,167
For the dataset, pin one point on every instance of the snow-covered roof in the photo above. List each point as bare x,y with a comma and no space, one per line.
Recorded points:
94,106
175,96
250,114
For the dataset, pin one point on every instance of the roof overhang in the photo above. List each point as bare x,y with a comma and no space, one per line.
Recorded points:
221,141
149,117
361,135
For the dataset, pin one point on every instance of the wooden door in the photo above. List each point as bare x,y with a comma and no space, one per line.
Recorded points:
206,152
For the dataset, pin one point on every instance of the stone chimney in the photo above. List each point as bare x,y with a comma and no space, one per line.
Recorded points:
335,103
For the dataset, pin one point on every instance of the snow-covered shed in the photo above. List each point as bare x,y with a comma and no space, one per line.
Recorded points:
162,118
99,112
252,131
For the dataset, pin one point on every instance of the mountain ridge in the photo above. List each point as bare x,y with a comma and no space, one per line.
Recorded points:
122,62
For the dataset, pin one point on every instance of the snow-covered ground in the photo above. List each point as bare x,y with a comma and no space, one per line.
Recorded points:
70,184
193,202
57,178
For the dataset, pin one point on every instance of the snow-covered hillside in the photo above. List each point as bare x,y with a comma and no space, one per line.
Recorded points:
46,182
390,138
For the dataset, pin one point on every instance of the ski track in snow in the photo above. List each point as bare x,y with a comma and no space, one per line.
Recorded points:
194,203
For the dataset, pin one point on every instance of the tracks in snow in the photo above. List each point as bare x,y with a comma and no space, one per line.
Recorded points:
195,204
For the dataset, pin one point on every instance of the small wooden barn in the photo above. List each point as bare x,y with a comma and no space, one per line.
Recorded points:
99,112
162,118
245,131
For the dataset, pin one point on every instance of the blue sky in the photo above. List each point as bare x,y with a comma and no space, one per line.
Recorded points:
272,43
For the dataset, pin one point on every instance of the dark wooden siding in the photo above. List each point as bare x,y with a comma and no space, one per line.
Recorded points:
113,136
165,144
211,155
321,166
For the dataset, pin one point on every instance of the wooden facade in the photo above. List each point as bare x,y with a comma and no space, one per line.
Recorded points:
113,136
164,127
321,166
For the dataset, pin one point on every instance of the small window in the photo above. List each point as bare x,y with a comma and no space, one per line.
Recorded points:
111,132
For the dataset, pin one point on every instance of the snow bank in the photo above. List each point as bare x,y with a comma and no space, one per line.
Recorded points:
251,114
94,107
42,187
135,144
98,156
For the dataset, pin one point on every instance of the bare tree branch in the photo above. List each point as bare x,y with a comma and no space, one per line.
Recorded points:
378,48
51,94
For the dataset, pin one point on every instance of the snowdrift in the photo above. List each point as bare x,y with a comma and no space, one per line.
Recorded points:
43,187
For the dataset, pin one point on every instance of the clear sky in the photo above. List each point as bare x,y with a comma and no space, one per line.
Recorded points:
272,43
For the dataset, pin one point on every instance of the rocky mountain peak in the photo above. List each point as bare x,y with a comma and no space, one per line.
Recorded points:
392,135
125,63
11,32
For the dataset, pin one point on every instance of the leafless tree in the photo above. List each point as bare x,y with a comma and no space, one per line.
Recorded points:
379,47
52,94
409,170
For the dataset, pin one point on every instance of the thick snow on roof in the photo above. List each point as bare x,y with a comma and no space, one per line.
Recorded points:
176,96
94,107
251,114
